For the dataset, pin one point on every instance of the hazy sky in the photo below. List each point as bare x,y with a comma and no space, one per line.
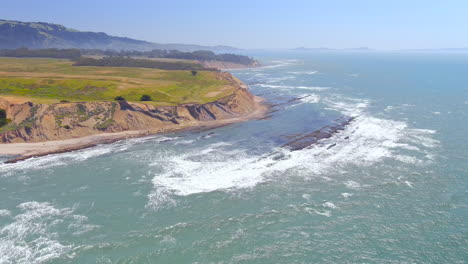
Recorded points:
392,24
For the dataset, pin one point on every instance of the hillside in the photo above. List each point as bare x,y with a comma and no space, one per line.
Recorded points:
39,35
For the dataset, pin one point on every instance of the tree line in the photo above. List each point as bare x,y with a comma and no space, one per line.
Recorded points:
44,53
141,63
200,55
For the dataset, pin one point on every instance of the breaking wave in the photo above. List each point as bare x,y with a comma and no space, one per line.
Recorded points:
289,87
304,72
64,159
33,235
364,142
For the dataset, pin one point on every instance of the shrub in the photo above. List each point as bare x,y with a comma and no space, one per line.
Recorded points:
3,119
194,73
119,98
66,127
145,97
64,101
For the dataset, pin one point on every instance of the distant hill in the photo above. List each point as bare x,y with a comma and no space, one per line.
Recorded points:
40,35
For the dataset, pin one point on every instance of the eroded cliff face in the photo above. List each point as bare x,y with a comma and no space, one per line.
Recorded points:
43,122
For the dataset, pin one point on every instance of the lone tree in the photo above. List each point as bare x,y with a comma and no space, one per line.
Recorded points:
145,97
194,73
119,98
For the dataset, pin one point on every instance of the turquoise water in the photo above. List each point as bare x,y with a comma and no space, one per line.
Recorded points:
390,188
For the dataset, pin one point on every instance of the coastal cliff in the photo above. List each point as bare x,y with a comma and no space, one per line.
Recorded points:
32,122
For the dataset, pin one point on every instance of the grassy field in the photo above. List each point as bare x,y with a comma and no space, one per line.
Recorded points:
51,80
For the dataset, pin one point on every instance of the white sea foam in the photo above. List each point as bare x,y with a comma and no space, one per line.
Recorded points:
352,185
306,99
407,159
291,87
346,195
310,98
364,142
329,205
63,159
326,213
304,72
4,212
204,170
314,88
184,142
277,64
280,79
33,237
347,106
399,107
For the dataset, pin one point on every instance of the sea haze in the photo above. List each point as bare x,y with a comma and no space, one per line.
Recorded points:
388,187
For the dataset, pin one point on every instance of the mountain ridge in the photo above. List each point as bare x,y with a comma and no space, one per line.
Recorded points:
41,35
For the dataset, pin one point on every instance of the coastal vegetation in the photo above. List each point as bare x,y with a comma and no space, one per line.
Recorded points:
43,80
142,63
44,53
198,55
3,118
145,97
114,56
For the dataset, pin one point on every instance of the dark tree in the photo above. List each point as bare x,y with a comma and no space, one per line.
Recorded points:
115,61
194,73
3,119
145,97
119,98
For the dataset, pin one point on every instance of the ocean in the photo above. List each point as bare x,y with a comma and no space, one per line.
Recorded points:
390,187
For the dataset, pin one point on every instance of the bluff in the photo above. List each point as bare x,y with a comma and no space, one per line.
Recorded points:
59,121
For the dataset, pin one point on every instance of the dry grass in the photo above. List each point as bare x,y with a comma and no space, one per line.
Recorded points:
51,80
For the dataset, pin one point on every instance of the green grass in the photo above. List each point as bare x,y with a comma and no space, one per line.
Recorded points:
51,80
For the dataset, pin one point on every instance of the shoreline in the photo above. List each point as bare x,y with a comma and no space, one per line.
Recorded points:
39,149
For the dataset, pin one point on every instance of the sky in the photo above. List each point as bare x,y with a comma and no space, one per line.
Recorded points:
261,24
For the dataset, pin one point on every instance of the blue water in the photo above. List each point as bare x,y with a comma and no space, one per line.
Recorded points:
389,188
